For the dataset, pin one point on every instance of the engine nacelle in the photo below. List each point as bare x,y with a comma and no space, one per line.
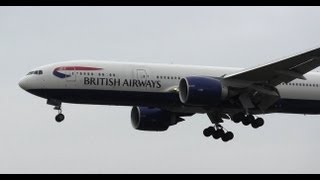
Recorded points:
153,119
201,91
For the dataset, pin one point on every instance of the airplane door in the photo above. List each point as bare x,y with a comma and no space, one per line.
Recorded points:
142,76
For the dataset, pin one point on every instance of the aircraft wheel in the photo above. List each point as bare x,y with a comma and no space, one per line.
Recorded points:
246,121
208,131
59,118
227,136
215,135
255,124
260,122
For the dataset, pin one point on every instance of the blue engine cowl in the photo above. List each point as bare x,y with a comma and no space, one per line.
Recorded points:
201,91
153,119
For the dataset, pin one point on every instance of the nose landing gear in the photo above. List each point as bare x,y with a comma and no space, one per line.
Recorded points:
60,117
57,106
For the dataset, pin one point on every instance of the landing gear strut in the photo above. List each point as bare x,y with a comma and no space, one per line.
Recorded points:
217,131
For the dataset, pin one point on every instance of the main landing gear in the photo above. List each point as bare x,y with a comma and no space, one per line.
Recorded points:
217,131
247,120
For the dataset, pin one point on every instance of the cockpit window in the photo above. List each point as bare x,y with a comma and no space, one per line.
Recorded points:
38,72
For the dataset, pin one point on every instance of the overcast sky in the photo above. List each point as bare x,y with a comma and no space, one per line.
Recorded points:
100,139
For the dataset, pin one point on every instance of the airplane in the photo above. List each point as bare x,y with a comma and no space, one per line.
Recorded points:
162,95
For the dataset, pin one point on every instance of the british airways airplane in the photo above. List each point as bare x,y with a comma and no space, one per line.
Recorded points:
162,94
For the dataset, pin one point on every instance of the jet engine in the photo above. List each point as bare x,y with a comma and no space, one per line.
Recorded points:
201,91
153,119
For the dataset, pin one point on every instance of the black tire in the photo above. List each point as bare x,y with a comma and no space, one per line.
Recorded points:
246,121
255,124
229,135
224,138
215,135
260,122
59,118
208,131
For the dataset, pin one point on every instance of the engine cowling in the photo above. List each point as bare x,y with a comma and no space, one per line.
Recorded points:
201,91
153,119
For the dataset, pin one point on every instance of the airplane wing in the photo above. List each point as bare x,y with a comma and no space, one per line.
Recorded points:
284,70
257,85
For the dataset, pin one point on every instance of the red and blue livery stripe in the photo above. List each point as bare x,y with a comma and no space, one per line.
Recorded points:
72,68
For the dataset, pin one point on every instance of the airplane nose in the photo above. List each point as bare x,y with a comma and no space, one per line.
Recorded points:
23,83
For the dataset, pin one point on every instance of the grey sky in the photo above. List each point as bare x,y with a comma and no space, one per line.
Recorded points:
100,139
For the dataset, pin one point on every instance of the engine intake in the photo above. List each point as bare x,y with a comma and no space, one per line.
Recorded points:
201,91
153,119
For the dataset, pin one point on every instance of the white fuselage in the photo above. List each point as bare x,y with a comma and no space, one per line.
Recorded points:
140,78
